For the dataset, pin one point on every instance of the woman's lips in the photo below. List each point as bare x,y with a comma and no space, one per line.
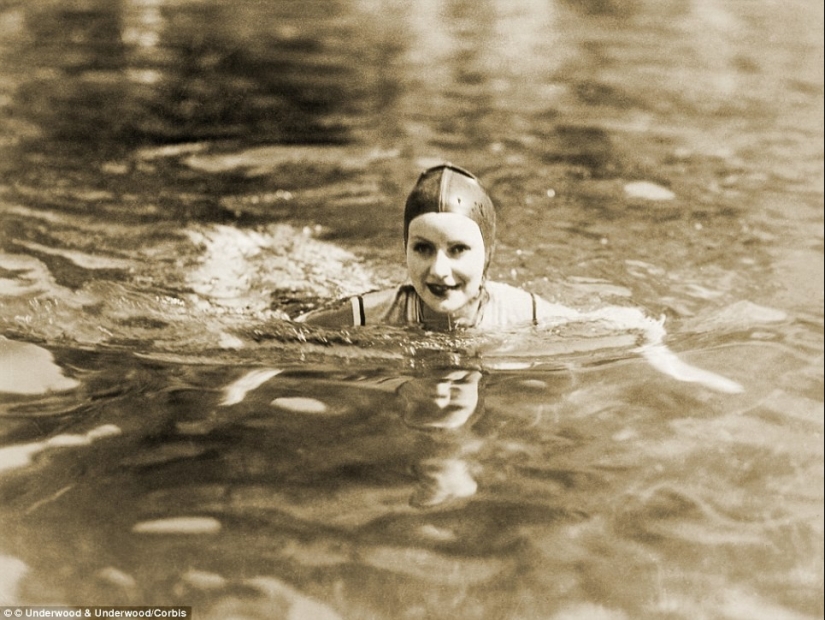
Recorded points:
441,290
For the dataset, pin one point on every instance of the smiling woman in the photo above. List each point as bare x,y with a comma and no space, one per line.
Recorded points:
449,236
445,260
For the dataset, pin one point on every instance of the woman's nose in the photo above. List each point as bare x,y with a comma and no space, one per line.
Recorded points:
440,265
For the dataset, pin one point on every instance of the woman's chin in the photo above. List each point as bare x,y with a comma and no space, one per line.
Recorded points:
445,305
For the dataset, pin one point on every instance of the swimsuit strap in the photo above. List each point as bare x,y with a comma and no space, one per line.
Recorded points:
358,315
412,306
535,312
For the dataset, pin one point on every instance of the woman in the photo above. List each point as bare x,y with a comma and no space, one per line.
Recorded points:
449,236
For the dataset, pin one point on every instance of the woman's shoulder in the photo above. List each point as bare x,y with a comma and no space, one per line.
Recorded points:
509,305
377,303
500,292
364,309
506,306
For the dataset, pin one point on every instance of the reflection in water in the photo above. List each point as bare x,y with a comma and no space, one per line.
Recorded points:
142,25
123,74
77,57
443,405
287,487
443,402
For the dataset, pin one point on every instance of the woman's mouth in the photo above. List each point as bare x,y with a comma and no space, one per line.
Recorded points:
441,290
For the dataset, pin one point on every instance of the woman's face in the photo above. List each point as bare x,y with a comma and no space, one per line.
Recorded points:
445,260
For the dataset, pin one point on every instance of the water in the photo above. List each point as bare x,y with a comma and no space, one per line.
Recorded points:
179,177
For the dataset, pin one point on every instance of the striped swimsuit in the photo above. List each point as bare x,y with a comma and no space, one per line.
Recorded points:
502,306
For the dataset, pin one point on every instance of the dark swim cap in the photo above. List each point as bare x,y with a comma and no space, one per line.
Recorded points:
449,189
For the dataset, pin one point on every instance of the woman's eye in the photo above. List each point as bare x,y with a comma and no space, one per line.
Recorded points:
459,249
422,248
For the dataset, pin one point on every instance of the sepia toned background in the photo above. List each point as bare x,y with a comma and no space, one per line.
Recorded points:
179,178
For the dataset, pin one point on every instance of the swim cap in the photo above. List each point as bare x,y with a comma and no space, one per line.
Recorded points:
449,189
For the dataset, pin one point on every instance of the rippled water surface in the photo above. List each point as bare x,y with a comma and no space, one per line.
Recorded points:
179,178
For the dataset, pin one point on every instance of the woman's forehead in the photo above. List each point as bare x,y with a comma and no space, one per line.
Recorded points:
445,225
